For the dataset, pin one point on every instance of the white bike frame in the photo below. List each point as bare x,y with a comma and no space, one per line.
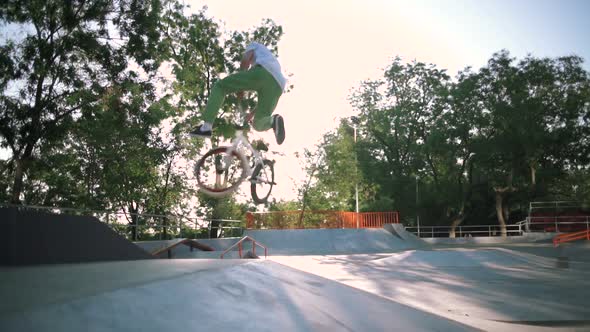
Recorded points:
241,140
247,166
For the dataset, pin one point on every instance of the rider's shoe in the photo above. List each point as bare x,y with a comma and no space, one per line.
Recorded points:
278,126
197,132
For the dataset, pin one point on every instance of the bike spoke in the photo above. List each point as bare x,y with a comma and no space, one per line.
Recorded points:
220,171
262,182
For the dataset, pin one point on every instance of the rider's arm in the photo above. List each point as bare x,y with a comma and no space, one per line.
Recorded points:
247,60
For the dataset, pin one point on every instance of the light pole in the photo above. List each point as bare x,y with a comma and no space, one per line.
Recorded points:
417,202
355,122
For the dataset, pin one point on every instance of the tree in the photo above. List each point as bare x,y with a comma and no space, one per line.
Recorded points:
397,116
492,139
463,124
332,172
215,209
537,108
83,111
71,53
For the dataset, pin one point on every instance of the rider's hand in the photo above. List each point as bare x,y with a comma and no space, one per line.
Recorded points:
250,116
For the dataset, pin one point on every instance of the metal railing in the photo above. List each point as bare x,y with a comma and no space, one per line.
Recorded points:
464,230
555,205
557,216
557,224
239,245
151,226
235,228
530,224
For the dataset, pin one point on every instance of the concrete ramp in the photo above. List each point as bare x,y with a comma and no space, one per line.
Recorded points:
399,231
189,295
329,241
391,238
30,238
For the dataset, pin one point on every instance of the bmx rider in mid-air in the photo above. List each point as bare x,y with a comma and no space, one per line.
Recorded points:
260,71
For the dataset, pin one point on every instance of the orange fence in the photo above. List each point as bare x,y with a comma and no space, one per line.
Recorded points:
319,219
568,237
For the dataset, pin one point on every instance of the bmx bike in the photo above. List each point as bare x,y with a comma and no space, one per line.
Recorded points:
222,169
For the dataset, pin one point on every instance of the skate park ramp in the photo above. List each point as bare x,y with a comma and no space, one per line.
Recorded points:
399,231
493,289
334,241
30,238
391,238
202,295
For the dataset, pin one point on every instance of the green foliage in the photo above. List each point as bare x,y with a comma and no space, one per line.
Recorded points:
215,209
333,172
85,114
402,133
476,148
65,63
284,205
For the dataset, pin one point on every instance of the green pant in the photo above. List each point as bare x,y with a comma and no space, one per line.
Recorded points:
256,79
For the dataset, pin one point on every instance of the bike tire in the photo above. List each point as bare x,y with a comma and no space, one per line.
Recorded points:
260,190
233,176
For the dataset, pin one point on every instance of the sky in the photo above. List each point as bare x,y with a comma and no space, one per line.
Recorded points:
330,46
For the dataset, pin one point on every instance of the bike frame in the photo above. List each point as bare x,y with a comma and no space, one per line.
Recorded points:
240,140
253,166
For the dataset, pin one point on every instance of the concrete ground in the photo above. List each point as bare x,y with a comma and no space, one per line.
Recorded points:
197,295
409,286
574,251
494,289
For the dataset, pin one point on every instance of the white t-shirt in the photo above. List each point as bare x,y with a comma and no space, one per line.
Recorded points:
263,57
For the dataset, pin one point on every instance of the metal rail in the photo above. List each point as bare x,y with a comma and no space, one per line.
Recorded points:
239,245
557,225
464,230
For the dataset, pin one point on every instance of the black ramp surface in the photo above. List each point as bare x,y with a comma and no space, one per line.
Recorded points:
30,237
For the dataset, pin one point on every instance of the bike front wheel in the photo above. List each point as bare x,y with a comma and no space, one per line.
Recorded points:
220,171
262,181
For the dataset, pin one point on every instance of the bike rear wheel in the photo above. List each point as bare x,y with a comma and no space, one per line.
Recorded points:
262,181
220,171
